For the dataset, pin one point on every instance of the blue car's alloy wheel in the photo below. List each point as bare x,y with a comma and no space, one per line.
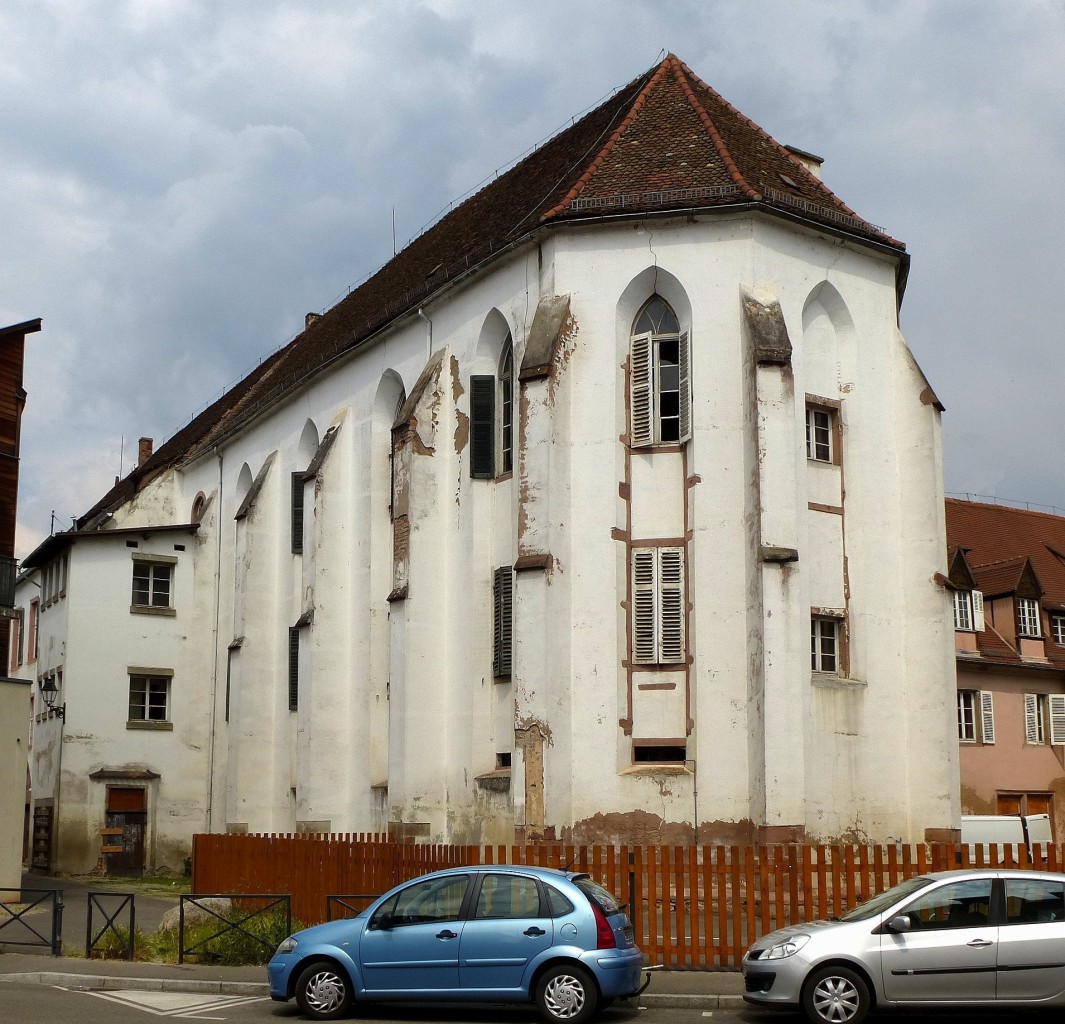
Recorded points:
323,992
566,994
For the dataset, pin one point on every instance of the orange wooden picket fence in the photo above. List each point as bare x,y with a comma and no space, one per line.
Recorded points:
693,907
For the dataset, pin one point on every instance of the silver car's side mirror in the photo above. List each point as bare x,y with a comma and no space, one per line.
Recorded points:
900,923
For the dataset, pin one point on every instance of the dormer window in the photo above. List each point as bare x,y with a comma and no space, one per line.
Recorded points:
1028,617
968,611
1057,629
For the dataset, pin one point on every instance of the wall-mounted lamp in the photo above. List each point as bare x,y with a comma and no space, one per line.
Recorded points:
49,691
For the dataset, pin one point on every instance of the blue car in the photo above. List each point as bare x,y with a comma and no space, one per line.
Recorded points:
475,934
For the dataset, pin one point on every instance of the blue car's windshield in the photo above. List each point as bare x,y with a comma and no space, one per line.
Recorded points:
876,905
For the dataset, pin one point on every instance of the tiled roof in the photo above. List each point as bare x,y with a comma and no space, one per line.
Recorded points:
997,535
999,542
666,141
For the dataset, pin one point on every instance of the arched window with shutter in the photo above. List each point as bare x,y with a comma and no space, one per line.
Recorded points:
659,377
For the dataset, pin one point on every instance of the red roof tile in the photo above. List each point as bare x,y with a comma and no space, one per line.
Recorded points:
665,141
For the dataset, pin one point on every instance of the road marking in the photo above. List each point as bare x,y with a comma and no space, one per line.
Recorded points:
178,1004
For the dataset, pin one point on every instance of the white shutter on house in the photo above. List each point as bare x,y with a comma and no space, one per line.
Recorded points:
644,641
685,359
978,611
641,392
1031,718
671,595
987,717
1057,717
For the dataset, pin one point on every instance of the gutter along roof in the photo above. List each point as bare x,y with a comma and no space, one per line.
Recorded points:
665,142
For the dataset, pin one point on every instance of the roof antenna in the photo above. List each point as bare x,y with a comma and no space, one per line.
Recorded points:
393,231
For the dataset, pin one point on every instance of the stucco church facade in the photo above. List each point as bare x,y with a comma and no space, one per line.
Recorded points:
609,510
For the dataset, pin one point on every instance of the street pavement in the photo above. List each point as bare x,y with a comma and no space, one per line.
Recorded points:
668,989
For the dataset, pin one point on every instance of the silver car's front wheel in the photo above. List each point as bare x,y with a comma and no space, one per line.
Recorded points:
566,994
323,992
835,995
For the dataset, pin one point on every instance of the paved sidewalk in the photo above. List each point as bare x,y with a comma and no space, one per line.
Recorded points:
707,989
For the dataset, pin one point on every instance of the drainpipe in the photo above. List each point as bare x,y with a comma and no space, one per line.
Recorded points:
214,669
430,323
695,795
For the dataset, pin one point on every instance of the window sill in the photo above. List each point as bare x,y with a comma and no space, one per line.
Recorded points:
147,609
664,768
134,723
831,680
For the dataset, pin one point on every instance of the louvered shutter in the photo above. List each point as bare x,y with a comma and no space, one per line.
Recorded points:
641,392
671,598
987,717
978,611
1031,718
482,426
1057,717
503,602
293,668
297,513
684,357
644,640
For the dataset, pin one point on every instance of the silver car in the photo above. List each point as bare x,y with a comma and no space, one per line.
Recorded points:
951,938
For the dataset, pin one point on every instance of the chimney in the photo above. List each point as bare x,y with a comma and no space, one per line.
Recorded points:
810,161
310,318
144,450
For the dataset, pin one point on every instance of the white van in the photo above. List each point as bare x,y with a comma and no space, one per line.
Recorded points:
1031,830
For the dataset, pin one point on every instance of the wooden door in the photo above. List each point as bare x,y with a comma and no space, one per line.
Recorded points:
127,810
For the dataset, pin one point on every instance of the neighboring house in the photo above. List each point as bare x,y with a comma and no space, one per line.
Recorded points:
15,694
1007,571
541,532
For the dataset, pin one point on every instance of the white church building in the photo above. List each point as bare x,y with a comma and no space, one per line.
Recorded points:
610,509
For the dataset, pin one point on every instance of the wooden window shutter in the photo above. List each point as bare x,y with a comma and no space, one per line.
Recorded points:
685,388
671,598
987,717
1031,718
293,668
1057,717
297,513
641,392
503,621
644,639
978,611
482,426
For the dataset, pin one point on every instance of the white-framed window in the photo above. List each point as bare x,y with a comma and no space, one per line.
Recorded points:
659,377
820,424
149,697
1057,629
1034,718
1028,617
658,612
963,609
824,644
506,409
967,704
492,418
152,583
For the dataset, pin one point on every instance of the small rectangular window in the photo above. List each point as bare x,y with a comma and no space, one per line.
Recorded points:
1057,629
963,610
967,716
1028,617
152,584
1034,718
819,429
149,698
824,644
643,753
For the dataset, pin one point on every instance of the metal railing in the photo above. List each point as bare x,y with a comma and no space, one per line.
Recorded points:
356,903
15,913
232,924
110,930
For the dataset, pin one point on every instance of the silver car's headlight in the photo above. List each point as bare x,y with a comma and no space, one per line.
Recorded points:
786,948
287,945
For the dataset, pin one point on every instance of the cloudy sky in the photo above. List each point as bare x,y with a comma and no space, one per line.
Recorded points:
182,180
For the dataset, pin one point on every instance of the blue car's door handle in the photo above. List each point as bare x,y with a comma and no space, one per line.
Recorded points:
447,933
534,931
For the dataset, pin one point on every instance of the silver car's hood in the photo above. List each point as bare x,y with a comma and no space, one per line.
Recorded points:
783,934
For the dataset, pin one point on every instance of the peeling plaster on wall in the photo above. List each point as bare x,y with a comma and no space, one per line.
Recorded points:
973,803
567,343
644,828
524,487
417,445
457,390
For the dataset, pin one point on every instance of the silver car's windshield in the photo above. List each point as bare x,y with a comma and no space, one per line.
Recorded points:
874,906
